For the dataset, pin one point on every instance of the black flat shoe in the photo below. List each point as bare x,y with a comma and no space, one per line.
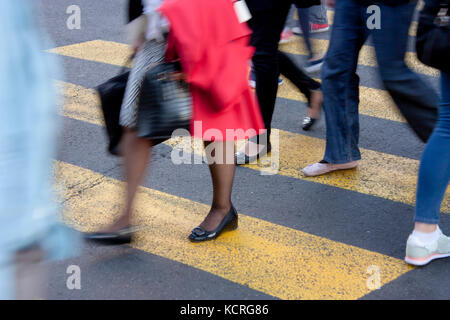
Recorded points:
243,158
229,223
308,122
122,236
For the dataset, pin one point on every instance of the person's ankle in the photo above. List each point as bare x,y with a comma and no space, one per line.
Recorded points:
221,209
426,236
425,227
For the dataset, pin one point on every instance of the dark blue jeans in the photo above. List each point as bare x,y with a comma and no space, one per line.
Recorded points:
415,99
434,172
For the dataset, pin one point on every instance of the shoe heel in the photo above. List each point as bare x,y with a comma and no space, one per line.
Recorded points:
233,225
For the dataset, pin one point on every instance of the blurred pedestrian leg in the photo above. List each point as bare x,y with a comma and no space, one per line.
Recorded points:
414,97
29,230
340,83
306,85
267,22
318,15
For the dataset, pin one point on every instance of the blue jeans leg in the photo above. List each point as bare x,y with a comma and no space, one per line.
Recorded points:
434,171
303,18
416,100
318,14
340,83
290,21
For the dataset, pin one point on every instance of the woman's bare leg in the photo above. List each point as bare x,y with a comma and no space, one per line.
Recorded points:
315,104
136,157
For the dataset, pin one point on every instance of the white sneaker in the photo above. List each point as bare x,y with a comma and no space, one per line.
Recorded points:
420,254
319,168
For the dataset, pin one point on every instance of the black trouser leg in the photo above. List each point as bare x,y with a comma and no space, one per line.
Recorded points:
267,26
301,80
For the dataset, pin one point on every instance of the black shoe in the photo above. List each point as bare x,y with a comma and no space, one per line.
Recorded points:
243,158
230,222
308,122
122,236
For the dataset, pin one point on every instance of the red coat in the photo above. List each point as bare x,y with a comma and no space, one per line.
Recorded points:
214,51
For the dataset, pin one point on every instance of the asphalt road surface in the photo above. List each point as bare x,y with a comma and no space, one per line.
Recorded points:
342,236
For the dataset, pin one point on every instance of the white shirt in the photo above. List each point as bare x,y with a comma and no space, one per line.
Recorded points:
157,25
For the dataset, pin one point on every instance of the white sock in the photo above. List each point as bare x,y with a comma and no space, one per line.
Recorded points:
427,237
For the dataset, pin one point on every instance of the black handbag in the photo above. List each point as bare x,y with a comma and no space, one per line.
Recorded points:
165,102
433,40
111,95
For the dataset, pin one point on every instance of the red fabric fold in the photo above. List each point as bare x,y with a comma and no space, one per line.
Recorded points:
214,51
213,48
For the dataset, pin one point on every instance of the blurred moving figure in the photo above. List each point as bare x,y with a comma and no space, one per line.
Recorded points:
267,23
310,20
427,242
215,61
416,100
306,85
29,231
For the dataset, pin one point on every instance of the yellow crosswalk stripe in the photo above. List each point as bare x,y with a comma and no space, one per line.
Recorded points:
367,56
276,260
373,102
379,174
103,51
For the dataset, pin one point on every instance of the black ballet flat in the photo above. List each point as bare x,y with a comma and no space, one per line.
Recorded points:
229,223
308,122
243,158
122,236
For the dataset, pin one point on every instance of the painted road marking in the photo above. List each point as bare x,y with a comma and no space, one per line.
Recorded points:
373,102
279,261
379,174
367,56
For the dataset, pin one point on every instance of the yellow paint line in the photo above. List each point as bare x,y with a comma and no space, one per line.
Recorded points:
80,103
373,102
97,50
367,56
276,260
380,174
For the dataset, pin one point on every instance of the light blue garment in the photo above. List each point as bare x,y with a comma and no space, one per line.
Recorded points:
28,132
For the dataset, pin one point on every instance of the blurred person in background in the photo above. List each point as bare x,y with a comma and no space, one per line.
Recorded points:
172,25
416,100
29,230
267,23
310,20
309,87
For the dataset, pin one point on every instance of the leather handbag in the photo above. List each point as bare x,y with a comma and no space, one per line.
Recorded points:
433,36
165,102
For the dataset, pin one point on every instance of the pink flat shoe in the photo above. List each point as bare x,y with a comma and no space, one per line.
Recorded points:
320,168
